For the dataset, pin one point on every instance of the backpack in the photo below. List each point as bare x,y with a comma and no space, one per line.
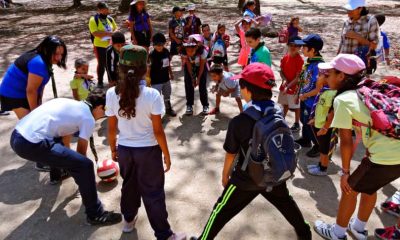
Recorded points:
382,99
218,49
96,19
283,35
271,157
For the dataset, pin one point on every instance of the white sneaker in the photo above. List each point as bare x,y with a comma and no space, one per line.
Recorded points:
129,226
177,236
326,230
356,234
312,166
317,171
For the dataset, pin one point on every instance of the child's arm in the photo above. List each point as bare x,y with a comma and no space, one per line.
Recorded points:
315,91
112,136
173,37
150,26
201,70
190,70
327,124
161,139
237,23
229,159
75,94
171,74
282,76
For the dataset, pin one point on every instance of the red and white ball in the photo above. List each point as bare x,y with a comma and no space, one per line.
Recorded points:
107,170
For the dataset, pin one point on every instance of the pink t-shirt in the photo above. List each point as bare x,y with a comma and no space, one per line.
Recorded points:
244,51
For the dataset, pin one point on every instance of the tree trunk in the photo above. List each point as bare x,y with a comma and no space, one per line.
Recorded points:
124,5
77,3
257,11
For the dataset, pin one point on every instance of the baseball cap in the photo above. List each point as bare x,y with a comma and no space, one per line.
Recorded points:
177,9
258,74
133,55
354,4
159,38
102,5
136,1
293,39
347,63
191,7
312,40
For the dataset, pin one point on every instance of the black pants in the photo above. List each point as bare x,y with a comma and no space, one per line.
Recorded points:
189,89
233,200
101,63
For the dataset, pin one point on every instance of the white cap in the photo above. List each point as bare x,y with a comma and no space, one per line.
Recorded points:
136,1
354,4
191,7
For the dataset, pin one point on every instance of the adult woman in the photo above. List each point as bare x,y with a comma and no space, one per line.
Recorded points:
379,167
140,24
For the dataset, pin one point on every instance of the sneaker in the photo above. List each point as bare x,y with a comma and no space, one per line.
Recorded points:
100,85
4,113
177,236
391,208
189,110
106,218
388,233
317,171
311,166
42,168
129,226
170,112
193,238
356,234
303,143
205,111
326,231
295,127
64,175
313,152
214,111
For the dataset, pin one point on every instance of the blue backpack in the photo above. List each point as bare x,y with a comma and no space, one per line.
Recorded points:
271,157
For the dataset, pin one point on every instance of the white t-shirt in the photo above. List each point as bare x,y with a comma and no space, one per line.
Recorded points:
228,83
137,131
57,118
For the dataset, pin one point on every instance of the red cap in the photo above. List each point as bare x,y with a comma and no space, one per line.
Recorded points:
258,74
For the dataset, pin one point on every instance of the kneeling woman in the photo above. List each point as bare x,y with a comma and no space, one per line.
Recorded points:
135,111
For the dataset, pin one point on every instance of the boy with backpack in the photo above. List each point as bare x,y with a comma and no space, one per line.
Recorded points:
112,57
259,52
256,82
220,44
176,30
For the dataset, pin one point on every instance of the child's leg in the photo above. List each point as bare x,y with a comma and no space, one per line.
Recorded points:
285,110
367,204
203,89
239,102
231,202
189,90
297,115
150,175
217,101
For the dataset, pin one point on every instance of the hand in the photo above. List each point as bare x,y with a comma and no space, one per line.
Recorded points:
225,94
167,162
297,100
114,155
87,77
311,122
225,180
344,184
285,90
322,131
353,35
178,41
302,97
134,42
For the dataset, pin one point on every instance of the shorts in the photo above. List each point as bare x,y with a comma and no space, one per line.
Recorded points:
289,100
175,48
8,104
143,38
324,141
221,60
369,177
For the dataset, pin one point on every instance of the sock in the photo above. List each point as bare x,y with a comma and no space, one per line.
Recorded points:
359,225
322,168
339,231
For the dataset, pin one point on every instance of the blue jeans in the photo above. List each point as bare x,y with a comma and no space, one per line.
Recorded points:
53,154
307,131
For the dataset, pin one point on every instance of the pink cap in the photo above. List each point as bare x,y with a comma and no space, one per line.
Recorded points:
258,74
347,63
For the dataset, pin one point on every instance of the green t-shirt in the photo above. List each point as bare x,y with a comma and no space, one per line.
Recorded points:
324,105
260,54
82,86
348,106
106,25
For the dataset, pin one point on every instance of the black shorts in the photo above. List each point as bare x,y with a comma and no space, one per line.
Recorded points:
143,38
369,177
8,104
175,48
324,141
221,60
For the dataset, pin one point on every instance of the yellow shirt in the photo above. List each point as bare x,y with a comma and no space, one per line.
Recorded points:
106,25
347,107
82,86
324,105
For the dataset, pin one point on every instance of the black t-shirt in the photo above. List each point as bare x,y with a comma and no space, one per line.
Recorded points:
160,62
240,131
178,27
194,28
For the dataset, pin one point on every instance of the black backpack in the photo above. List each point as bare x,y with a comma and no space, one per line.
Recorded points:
96,19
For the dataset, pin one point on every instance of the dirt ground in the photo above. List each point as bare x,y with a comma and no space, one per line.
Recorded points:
31,208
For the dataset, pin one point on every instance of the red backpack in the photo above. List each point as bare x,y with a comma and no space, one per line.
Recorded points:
382,98
283,35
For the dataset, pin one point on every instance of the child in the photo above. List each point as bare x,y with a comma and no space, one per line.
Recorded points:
259,52
291,66
312,45
82,83
112,57
385,43
193,23
135,111
160,70
241,26
140,24
378,168
294,27
256,82
220,44
225,86
176,30
207,39
248,9
195,74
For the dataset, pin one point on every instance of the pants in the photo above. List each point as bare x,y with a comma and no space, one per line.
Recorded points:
324,141
164,89
101,62
307,131
143,174
233,200
189,89
56,155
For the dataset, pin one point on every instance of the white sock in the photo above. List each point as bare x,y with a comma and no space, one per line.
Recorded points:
339,231
359,225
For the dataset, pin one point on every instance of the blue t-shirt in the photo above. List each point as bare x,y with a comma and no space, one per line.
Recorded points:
386,42
249,13
15,81
310,82
140,21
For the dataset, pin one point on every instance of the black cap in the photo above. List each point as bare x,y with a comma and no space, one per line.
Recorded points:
177,9
312,40
102,5
159,38
293,39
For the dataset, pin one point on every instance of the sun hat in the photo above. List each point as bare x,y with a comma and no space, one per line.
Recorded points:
354,4
348,63
136,1
258,74
133,56
191,7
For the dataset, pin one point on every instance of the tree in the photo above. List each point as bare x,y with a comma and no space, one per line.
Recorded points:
256,11
124,5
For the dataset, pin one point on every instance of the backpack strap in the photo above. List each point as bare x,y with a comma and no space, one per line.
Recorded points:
96,19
